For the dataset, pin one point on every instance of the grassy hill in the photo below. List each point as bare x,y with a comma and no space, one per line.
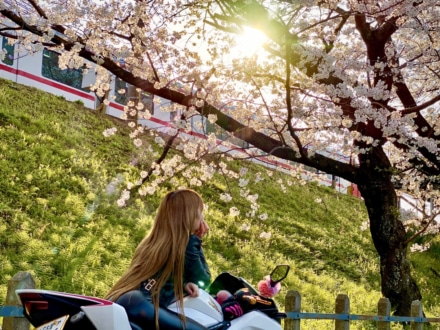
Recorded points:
61,178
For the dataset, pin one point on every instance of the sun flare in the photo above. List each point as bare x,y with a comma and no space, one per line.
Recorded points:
249,42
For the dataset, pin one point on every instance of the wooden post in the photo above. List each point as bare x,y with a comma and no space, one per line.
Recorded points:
292,304
342,307
383,309
21,280
416,311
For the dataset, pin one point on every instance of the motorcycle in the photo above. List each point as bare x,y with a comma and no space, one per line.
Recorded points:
51,310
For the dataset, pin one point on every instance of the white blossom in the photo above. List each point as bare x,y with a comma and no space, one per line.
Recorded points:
137,142
258,178
244,192
250,214
150,190
160,141
265,235
125,196
110,131
252,198
420,247
225,197
365,225
243,183
121,202
233,211
245,227
212,118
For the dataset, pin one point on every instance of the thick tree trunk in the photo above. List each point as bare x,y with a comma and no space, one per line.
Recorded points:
389,235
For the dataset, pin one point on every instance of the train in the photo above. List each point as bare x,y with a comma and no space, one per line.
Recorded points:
40,70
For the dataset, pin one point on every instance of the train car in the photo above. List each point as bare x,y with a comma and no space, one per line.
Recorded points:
40,69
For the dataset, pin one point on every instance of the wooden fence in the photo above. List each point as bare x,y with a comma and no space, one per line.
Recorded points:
13,318
342,316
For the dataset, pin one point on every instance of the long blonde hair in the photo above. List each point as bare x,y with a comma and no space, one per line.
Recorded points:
161,254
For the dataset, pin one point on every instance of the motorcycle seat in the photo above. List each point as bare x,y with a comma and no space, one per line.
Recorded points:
141,314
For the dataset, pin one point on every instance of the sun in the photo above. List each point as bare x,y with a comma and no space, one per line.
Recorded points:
249,42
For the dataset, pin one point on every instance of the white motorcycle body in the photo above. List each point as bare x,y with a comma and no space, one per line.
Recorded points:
207,311
106,315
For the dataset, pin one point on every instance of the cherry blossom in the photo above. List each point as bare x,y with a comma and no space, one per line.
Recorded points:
234,211
346,88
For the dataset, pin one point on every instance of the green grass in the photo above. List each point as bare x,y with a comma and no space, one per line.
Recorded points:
61,179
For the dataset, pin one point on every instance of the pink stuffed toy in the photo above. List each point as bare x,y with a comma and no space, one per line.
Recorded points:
266,289
230,308
222,296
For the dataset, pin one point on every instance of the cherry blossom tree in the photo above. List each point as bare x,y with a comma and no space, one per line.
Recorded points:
358,78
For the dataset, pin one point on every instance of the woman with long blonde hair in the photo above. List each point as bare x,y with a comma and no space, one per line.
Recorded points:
167,262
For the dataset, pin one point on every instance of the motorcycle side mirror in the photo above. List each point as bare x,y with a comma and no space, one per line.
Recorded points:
278,274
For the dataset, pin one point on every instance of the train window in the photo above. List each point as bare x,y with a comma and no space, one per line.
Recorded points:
51,70
219,132
124,93
9,58
174,115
